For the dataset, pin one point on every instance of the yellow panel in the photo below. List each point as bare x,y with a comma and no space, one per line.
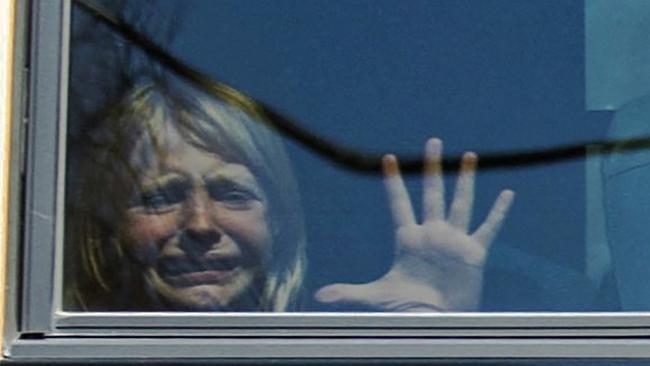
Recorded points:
6,76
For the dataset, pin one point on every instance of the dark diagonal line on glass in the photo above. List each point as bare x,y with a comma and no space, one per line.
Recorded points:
343,156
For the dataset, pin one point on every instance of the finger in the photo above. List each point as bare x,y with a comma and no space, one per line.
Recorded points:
434,188
489,229
347,294
398,197
461,207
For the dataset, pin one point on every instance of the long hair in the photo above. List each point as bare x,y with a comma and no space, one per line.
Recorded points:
100,273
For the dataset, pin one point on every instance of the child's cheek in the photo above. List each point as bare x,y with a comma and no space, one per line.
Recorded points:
249,228
147,232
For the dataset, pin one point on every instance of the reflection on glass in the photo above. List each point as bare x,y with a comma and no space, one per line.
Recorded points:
177,200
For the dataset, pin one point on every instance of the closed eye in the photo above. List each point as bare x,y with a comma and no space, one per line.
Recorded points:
162,198
232,195
237,197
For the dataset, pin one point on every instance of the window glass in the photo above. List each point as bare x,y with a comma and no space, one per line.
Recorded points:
181,197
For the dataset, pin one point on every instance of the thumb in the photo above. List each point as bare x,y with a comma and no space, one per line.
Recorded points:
342,293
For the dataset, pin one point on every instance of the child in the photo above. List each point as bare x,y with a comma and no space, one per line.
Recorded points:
179,201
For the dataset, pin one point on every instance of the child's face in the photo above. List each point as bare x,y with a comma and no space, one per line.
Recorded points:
199,226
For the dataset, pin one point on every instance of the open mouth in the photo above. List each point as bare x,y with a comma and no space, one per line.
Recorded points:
184,272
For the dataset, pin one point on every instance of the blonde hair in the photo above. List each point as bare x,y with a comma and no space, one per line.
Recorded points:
107,276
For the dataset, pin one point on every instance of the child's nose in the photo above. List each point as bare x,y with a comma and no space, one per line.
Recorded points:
200,225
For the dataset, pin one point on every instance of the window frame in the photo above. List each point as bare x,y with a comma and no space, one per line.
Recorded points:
44,331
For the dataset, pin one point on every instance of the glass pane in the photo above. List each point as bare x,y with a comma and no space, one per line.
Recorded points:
181,197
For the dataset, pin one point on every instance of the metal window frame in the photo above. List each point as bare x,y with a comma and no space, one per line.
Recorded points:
46,109
44,331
